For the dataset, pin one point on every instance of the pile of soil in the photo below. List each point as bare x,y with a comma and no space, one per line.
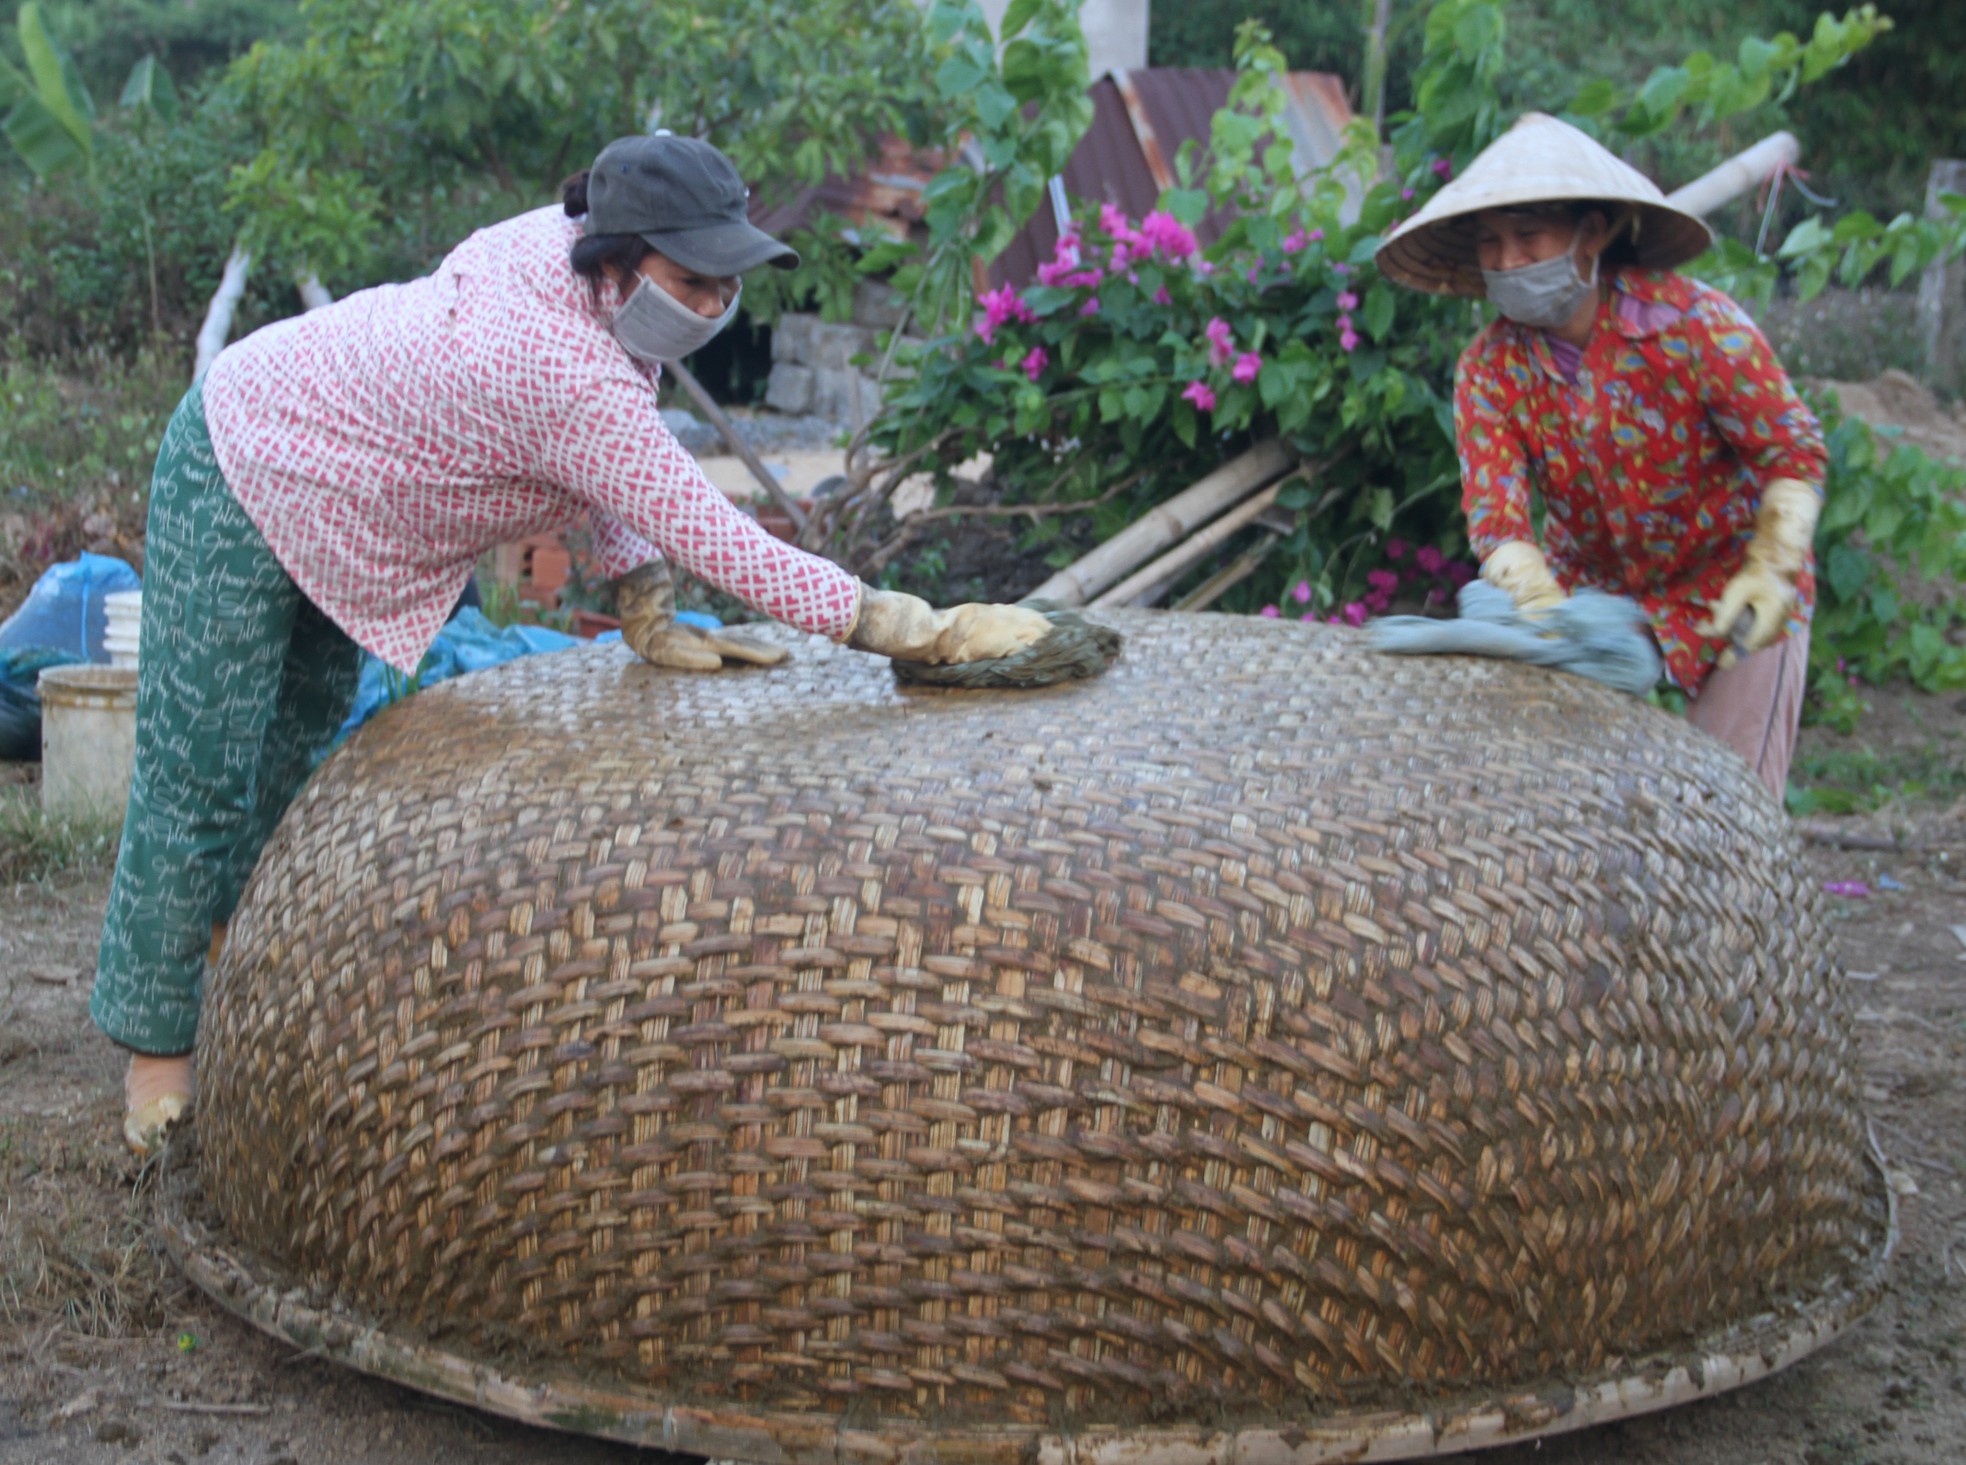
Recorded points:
1900,403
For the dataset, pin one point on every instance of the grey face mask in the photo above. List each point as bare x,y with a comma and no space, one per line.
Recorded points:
1545,294
654,326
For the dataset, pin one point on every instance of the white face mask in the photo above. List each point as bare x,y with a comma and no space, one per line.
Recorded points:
654,326
1544,294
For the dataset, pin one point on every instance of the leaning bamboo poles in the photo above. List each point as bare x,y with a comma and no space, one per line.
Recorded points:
1168,524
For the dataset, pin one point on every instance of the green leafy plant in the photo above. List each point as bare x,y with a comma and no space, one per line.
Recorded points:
384,107
51,118
1890,563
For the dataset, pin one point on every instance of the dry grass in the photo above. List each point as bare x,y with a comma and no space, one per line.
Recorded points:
75,1250
34,846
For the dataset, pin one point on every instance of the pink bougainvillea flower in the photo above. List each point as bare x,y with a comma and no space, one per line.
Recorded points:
1395,549
1164,234
1296,242
1247,366
1347,337
1253,273
1301,592
1459,572
1091,306
1161,297
1000,305
1114,223
1347,300
1386,580
1444,169
1054,270
1405,194
1309,615
1354,614
1221,341
1341,268
1201,394
1271,611
1034,362
1430,559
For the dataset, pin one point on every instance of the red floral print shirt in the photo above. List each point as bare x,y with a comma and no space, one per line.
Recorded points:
1650,464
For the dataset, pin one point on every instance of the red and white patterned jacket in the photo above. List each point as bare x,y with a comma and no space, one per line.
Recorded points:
383,443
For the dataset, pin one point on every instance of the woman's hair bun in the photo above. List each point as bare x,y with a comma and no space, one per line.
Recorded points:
573,193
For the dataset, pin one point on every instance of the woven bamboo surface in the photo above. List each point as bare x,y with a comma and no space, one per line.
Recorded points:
1257,1034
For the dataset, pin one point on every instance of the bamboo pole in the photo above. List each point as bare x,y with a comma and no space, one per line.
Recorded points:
1166,523
213,334
1146,586
766,478
1226,579
1737,175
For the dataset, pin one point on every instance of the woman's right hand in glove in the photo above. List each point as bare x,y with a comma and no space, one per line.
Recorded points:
1518,567
907,628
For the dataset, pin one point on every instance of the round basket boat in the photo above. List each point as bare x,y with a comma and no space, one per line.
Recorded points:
1266,1052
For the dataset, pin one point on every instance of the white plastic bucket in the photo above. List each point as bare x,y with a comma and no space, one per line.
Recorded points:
122,622
88,740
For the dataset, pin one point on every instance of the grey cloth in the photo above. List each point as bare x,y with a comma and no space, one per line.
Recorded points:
1603,637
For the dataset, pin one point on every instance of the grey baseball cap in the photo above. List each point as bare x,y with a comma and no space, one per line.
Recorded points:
683,197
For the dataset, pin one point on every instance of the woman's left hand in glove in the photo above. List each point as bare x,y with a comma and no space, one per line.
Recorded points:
1764,586
646,600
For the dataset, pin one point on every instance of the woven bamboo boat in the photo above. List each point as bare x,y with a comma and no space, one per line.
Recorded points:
1265,1053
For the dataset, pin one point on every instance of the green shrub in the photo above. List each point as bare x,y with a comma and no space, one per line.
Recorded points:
1890,564
134,254
87,436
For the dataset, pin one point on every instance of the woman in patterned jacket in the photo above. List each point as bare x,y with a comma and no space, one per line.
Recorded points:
1675,463
328,486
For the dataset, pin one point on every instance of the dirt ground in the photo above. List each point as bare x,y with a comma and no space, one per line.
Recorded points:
107,1355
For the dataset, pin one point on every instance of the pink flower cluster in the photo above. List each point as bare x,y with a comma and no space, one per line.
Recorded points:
1160,234
1348,336
1297,241
1382,584
999,306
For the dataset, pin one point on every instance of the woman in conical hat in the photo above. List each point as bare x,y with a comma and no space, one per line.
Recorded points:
1676,463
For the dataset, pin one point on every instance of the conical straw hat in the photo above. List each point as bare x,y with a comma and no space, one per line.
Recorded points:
1539,160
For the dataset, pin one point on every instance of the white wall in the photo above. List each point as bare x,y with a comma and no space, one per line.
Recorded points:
1115,32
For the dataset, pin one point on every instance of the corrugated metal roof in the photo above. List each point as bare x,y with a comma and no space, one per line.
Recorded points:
885,198
1126,158
1139,121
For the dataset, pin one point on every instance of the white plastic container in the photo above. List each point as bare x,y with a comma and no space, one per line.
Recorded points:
88,740
122,622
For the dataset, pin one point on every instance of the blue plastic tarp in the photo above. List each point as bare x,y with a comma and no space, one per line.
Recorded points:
64,611
469,642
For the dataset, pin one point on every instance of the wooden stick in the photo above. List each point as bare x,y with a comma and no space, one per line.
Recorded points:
217,329
313,294
766,479
1166,523
193,1406
1148,585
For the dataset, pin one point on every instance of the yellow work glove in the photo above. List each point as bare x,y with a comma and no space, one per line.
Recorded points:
907,628
1764,586
1518,567
646,601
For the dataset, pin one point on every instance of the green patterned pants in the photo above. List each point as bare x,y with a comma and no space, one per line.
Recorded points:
242,682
